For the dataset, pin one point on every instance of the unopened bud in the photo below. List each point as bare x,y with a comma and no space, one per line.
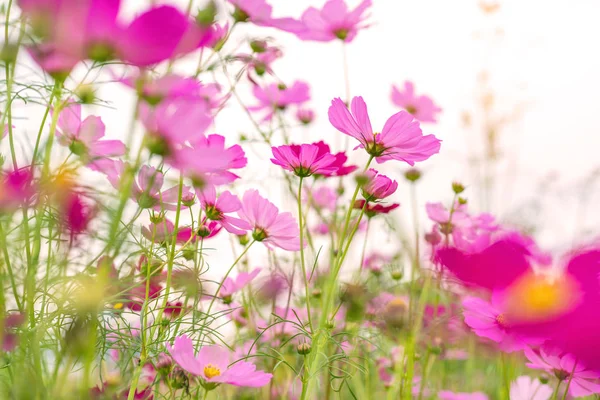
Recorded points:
397,275
303,349
206,16
457,187
412,175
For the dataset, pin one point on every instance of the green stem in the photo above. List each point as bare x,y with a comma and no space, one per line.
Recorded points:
305,277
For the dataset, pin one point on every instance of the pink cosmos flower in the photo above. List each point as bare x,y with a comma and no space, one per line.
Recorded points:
278,97
173,123
259,13
378,186
376,261
401,137
333,22
565,367
167,87
261,61
270,227
322,197
211,364
304,160
447,395
81,29
527,388
421,107
218,36
83,138
305,115
231,286
208,161
147,187
216,209
163,231
488,321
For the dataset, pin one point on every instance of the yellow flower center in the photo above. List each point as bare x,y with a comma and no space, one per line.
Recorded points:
210,371
501,320
535,298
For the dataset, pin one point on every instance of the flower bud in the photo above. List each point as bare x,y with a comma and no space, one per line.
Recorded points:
303,348
86,94
258,46
206,16
458,187
397,275
412,175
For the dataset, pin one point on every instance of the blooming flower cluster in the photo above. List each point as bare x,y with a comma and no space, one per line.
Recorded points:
171,257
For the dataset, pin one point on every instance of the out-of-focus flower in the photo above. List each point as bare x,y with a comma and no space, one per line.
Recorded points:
208,161
259,13
173,123
489,322
231,286
372,210
147,187
447,395
565,367
421,107
304,160
72,30
11,322
17,188
528,388
76,214
378,186
84,138
305,115
401,138
322,197
163,231
333,21
211,364
559,306
275,96
270,227
216,209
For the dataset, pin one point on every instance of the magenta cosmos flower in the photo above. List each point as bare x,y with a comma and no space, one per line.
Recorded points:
269,226
401,137
528,388
212,366
421,107
304,160
89,29
83,138
333,21
562,308
216,209
566,368
278,97
378,186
